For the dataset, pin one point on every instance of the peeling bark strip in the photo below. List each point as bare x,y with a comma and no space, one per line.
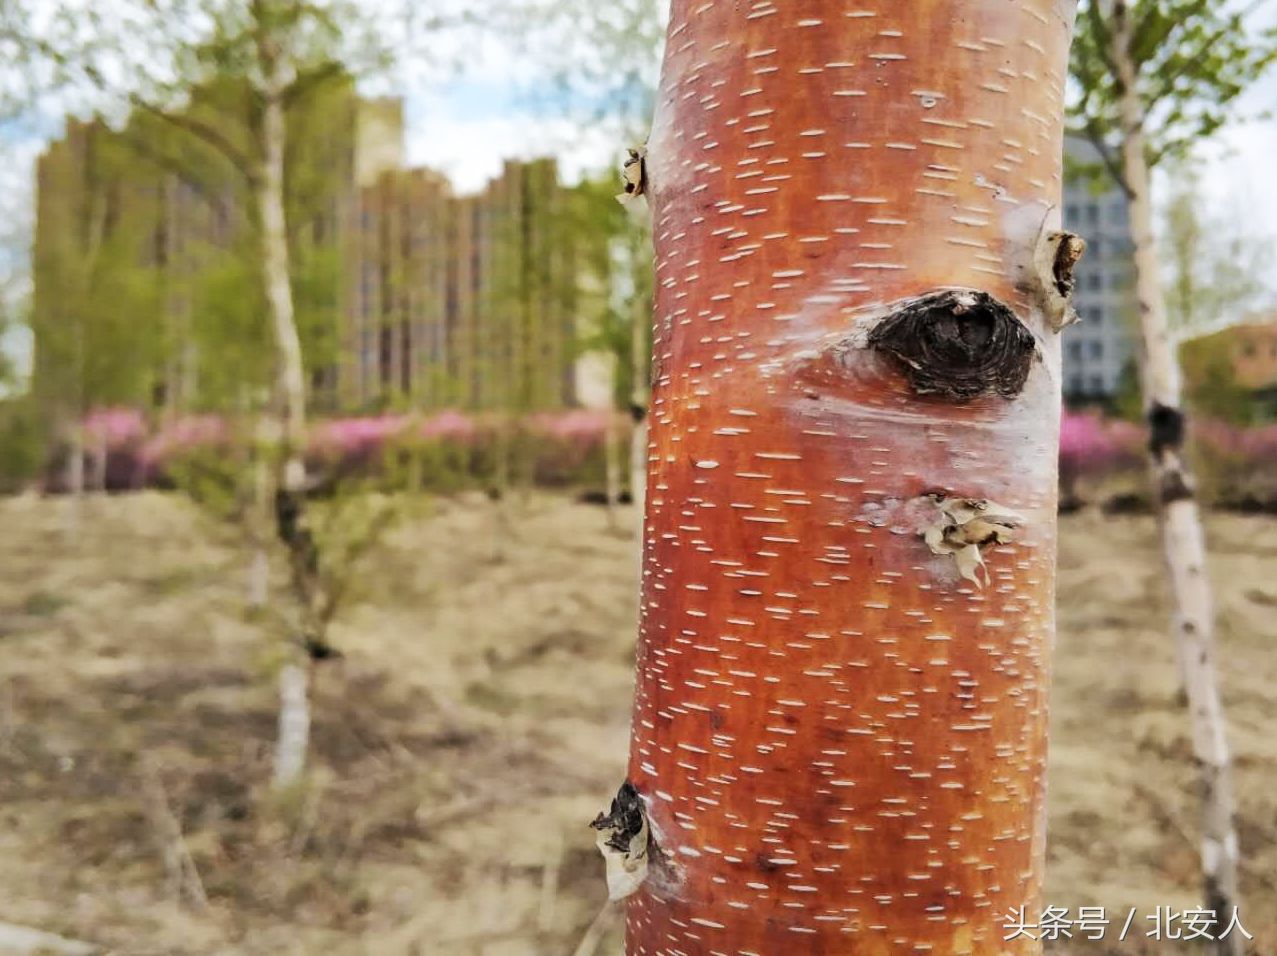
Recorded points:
839,739
958,345
624,840
1068,252
634,175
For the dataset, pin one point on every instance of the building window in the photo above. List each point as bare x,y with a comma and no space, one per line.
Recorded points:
385,369
1075,351
1095,349
1092,214
1095,384
1094,282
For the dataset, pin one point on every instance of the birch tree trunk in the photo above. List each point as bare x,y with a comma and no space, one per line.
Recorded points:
99,453
839,738
612,448
293,734
290,502
612,468
290,369
1183,542
73,478
258,518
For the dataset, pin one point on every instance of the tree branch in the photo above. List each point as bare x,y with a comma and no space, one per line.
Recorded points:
1094,135
1166,87
164,161
201,130
1138,37
1103,36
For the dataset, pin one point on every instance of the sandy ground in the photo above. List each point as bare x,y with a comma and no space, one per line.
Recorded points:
478,721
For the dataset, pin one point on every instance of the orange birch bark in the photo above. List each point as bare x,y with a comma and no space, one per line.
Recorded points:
840,728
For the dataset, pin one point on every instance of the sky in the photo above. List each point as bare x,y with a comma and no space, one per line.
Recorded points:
466,128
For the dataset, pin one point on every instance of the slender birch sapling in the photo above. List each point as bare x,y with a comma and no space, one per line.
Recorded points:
1155,78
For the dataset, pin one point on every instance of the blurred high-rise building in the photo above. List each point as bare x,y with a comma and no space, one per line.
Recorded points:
461,301
406,295
1100,349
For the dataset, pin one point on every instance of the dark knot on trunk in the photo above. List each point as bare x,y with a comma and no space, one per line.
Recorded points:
1165,429
957,344
624,820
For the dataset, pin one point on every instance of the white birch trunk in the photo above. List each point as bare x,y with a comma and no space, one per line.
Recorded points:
612,466
259,519
290,370
294,715
74,480
293,738
258,577
97,476
1181,528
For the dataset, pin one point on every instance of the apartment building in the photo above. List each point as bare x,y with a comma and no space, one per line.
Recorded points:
1099,350
407,295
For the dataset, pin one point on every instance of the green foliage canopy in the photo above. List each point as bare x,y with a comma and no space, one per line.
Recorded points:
1192,60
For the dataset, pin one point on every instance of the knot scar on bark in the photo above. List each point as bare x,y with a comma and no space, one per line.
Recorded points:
625,839
1069,249
634,175
961,527
1166,432
957,344
1165,429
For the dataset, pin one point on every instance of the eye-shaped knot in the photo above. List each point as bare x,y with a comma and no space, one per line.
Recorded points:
957,344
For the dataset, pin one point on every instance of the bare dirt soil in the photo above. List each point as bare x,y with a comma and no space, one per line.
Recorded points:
477,722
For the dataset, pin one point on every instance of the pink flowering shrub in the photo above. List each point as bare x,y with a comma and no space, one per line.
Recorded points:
355,444
394,449
180,443
119,434
114,428
1236,467
1260,447
450,426
451,449
448,450
1093,448
357,436
568,446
